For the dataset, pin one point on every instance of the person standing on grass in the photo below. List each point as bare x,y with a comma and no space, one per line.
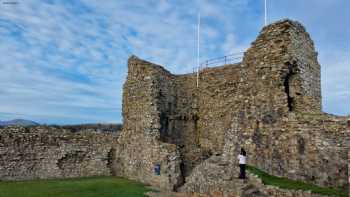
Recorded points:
242,157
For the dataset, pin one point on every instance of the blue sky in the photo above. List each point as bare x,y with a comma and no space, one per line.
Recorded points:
64,62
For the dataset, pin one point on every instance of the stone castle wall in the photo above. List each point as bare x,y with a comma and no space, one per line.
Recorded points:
140,147
313,149
47,153
281,100
270,103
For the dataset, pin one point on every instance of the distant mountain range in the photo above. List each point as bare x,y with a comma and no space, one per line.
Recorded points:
18,122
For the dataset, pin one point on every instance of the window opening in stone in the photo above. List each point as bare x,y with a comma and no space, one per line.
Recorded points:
288,86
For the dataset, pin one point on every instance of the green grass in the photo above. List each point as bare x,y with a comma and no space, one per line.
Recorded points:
285,183
84,187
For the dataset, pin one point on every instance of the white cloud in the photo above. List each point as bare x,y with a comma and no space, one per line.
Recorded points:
30,88
231,46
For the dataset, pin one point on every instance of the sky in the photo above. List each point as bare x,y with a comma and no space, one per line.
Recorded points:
65,61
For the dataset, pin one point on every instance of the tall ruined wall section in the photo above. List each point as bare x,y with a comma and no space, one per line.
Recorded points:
147,93
47,153
167,109
219,99
282,62
279,74
270,104
185,122
281,85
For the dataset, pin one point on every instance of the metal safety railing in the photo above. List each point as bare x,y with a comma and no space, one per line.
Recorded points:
227,59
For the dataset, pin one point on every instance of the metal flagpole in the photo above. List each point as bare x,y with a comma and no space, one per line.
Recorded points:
265,12
198,29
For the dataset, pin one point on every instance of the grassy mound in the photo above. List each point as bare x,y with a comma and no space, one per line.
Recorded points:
87,187
285,183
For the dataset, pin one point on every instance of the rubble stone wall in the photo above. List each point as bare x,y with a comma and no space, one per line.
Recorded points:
312,148
216,177
219,95
142,142
270,104
47,153
281,100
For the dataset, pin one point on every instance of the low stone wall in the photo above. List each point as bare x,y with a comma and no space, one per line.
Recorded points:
47,153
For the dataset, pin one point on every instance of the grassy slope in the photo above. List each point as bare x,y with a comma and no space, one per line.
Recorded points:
87,187
294,185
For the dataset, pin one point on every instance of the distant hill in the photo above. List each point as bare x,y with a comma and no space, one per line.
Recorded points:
98,127
18,122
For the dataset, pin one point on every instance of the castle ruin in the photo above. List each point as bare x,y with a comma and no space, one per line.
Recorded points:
270,104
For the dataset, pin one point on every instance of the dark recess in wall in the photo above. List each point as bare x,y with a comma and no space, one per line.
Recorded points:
111,158
287,87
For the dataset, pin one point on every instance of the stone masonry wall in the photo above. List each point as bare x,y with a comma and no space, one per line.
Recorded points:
47,153
140,148
218,96
216,176
281,101
270,103
166,109
312,148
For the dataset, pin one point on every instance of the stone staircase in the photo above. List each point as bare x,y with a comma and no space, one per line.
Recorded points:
218,177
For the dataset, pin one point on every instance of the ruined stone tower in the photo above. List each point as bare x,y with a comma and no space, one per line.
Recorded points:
284,54
270,103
